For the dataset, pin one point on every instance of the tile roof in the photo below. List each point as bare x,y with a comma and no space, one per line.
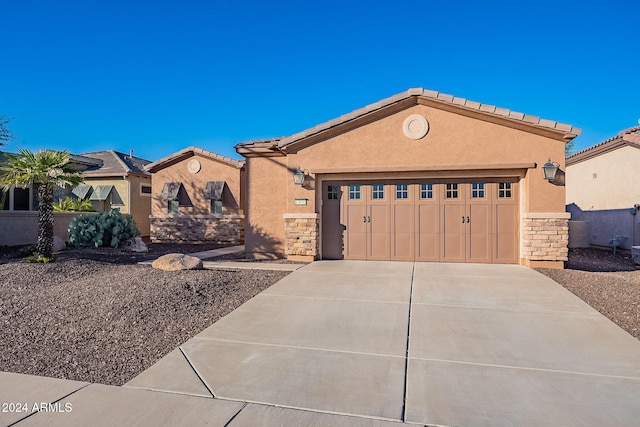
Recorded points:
189,152
630,137
115,163
569,131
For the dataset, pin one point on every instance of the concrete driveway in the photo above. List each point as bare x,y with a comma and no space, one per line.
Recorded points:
425,343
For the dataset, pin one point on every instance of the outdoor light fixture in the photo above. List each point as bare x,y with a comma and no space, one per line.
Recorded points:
298,176
549,170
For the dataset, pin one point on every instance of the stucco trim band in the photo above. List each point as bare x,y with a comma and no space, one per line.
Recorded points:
546,215
500,166
300,215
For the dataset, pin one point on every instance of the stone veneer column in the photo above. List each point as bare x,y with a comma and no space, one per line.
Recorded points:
301,236
545,239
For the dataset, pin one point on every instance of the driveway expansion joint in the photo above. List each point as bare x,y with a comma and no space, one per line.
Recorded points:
195,371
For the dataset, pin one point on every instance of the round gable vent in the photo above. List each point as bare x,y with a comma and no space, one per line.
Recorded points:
415,126
194,166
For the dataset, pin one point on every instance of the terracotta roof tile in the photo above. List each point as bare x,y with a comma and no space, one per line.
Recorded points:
630,136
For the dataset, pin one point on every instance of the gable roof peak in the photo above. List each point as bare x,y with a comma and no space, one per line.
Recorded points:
562,131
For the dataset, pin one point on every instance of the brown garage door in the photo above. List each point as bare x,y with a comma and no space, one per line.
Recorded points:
455,221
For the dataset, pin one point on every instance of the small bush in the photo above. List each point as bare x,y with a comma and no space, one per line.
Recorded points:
69,204
102,229
35,259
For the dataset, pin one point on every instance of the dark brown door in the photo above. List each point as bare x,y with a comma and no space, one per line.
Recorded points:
331,225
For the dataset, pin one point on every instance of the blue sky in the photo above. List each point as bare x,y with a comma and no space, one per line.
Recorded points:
158,76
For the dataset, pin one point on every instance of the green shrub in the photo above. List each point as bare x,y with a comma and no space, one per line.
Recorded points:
35,259
102,229
69,204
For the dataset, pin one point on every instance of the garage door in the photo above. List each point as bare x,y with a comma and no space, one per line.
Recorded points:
456,221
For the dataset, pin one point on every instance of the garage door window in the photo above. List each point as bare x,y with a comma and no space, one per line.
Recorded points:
426,191
332,192
354,192
451,191
402,191
477,190
504,190
378,191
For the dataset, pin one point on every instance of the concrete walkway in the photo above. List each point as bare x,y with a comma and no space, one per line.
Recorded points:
376,344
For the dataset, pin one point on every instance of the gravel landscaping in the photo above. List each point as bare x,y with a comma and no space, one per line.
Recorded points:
97,316
607,282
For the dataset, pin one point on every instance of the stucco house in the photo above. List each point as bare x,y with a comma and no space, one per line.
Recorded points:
111,180
19,210
197,196
118,181
603,191
421,176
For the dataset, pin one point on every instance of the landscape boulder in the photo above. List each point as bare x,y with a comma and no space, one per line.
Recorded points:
135,245
58,244
175,262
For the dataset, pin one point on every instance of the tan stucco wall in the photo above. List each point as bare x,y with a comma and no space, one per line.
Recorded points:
130,201
140,204
21,227
266,203
613,187
454,141
194,185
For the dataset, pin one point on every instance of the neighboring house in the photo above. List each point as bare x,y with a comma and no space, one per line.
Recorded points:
419,176
603,191
197,197
19,210
119,181
111,180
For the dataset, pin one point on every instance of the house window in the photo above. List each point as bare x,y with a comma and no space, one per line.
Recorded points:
4,200
332,192
426,191
378,191
402,191
354,192
216,207
504,190
173,207
18,199
145,190
477,190
451,191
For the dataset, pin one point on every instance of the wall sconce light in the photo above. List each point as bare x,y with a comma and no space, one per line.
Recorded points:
299,175
549,170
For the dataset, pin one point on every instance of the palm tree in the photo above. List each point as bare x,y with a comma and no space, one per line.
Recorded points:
44,170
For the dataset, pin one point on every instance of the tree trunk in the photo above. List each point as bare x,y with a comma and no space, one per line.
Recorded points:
45,221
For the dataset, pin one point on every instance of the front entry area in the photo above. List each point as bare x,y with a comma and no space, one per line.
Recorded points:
433,220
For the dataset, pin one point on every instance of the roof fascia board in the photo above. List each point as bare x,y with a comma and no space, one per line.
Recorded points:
498,166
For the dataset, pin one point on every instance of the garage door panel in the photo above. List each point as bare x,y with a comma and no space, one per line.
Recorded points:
356,232
479,223
428,233
379,233
506,224
402,233
453,233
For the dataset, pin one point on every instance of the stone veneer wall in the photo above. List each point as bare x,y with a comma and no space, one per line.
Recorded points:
301,234
545,237
198,228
